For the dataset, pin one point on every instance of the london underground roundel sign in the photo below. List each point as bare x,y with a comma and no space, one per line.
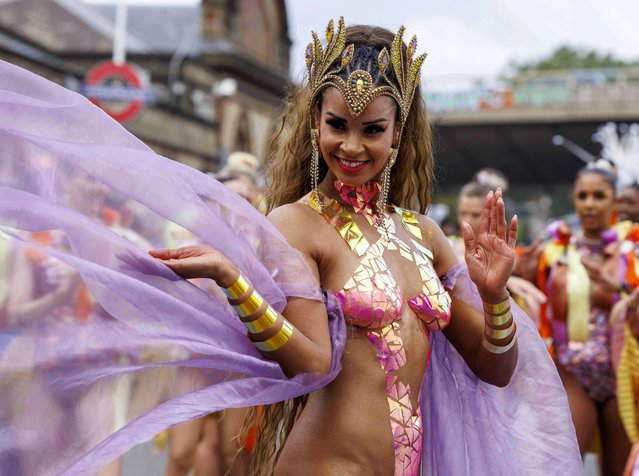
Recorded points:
120,90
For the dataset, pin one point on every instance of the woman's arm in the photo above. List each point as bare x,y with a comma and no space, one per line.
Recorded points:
308,349
22,307
482,338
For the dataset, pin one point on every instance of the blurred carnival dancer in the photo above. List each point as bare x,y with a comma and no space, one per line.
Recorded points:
583,275
627,204
407,361
628,377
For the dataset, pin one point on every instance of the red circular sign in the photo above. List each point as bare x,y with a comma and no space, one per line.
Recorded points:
108,70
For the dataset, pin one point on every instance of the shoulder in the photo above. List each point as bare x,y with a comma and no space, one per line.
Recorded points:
431,233
299,224
434,239
292,216
284,212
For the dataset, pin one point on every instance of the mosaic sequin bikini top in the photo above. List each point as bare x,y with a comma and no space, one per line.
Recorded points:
371,298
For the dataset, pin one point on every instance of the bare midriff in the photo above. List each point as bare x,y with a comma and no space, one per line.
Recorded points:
345,427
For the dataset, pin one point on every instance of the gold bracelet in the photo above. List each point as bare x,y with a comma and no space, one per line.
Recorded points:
500,334
262,323
278,340
497,309
251,305
243,297
498,322
238,288
498,349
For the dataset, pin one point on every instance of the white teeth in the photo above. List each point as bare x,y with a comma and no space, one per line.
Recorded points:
350,164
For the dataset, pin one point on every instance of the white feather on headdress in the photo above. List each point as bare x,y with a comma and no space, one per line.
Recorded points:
620,144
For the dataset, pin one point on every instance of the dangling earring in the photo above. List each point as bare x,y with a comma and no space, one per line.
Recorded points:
385,179
315,166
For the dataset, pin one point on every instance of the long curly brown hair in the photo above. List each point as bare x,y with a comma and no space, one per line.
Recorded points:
288,179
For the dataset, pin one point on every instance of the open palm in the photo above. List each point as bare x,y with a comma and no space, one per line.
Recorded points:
490,255
198,262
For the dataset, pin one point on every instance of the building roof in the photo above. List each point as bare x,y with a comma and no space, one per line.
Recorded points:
88,28
156,29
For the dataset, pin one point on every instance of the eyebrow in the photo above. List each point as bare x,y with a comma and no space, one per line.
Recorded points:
367,123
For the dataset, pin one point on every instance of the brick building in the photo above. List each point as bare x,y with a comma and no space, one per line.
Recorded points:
186,52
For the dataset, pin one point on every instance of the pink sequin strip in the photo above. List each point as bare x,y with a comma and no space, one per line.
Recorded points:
406,422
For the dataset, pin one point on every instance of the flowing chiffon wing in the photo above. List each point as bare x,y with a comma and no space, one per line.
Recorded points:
102,346
473,428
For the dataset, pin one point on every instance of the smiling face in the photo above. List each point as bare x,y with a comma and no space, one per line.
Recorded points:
628,204
355,149
593,197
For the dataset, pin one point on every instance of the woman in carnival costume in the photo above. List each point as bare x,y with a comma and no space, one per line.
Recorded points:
405,360
584,274
625,322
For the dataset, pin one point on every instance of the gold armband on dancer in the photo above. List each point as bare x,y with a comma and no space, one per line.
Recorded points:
499,326
257,314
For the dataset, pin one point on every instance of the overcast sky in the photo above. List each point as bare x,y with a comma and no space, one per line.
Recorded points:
467,38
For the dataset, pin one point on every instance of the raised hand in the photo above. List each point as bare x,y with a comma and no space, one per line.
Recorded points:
199,262
490,255
600,275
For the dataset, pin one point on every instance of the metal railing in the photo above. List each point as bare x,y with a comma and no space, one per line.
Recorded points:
578,89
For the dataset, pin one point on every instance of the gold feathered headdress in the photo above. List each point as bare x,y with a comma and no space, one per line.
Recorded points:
358,90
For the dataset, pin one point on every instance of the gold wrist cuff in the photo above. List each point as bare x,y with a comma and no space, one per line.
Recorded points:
498,322
238,288
243,297
278,340
499,334
498,349
251,305
262,323
497,309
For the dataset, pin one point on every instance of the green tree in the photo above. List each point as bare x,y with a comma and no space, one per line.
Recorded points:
568,57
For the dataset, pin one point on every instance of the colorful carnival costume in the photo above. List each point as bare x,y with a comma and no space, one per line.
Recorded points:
578,317
372,301
468,427
625,346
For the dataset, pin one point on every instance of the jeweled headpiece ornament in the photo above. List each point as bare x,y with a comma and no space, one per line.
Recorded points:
358,90
399,70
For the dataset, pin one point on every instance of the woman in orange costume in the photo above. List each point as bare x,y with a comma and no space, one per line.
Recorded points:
582,278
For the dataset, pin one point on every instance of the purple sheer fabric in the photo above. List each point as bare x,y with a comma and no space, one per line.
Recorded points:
473,428
101,347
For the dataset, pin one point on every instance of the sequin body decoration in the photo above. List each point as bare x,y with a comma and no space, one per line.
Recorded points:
590,361
372,300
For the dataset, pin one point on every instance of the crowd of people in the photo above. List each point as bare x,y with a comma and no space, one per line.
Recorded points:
344,333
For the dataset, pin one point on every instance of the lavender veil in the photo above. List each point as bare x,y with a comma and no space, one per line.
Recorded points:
102,347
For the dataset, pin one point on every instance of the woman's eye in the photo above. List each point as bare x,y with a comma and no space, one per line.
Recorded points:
374,129
600,195
335,124
582,196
